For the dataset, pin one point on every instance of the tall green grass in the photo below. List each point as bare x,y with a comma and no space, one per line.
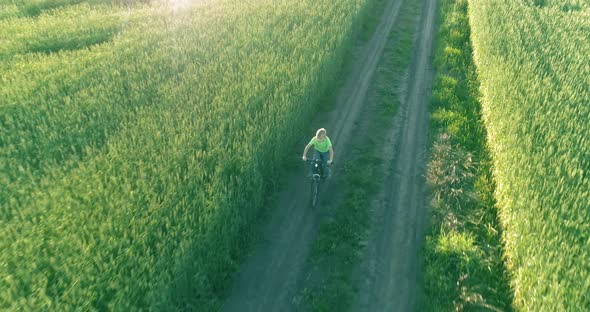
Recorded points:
34,8
463,267
131,171
532,60
69,29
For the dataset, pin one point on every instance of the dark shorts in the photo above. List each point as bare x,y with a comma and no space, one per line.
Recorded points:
324,157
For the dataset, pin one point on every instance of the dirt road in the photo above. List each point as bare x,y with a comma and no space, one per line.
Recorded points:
390,269
270,278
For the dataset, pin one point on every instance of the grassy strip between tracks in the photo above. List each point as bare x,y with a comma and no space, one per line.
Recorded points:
463,268
338,246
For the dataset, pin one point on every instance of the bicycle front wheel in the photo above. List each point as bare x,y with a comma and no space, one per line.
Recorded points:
315,192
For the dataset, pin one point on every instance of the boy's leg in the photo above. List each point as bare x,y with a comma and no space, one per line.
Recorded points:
325,158
317,155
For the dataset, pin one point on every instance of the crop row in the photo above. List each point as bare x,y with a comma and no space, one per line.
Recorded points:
131,170
532,59
33,8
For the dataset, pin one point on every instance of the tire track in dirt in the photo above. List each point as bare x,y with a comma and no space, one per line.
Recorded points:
390,269
268,279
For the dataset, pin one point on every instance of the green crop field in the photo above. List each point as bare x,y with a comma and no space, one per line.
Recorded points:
533,64
137,139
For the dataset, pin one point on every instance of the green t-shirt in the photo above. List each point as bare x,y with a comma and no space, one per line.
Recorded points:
323,146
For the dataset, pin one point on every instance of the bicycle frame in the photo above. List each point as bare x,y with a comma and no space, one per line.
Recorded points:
317,170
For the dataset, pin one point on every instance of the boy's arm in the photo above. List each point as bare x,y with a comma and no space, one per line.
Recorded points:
305,151
331,155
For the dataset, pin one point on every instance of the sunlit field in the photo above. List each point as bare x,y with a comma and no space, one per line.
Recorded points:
533,63
138,138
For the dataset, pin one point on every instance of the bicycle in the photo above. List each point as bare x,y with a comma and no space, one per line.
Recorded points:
317,175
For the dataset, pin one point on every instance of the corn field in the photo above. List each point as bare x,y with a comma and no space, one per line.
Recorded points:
533,64
137,140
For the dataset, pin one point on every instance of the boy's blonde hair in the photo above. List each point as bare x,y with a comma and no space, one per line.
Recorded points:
321,131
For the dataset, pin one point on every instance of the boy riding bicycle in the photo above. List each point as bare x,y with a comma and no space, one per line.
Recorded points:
323,150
